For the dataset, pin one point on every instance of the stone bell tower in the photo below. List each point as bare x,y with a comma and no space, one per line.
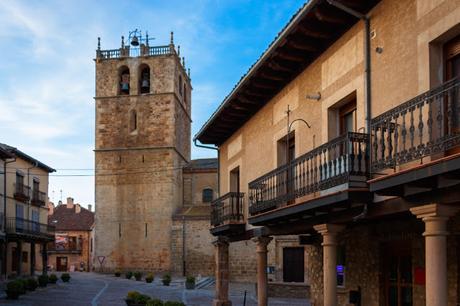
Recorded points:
143,109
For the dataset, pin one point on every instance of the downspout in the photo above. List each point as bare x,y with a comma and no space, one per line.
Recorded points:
367,71
218,160
5,251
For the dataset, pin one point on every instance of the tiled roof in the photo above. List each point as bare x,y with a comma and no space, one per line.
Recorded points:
203,163
69,220
16,152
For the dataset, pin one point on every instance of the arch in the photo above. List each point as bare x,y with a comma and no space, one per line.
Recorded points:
207,195
132,121
123,80
144,79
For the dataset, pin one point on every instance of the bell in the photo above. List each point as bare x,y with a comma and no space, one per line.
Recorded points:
135,41
124,86
145,83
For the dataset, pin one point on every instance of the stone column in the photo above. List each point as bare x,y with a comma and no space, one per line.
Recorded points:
262,280
329,233
19,250
435,217
32,258
222,272
45,258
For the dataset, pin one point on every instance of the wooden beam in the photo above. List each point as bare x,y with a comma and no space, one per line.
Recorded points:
245,100
290,57
326,16
302,46
313,33
273,76
277,66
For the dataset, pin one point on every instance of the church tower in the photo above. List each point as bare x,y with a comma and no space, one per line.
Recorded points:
143,117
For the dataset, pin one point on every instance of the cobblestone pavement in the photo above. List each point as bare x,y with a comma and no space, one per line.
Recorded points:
106,290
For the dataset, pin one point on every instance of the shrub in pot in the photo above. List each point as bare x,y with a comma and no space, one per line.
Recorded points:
52,279
117,273
43,280
32,284
166,279
149,278
136,298
14,289
190,282
129,274
23,281
65,277
155,302
138,275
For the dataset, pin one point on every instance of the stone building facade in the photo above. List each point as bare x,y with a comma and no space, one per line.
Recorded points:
356,107
149,193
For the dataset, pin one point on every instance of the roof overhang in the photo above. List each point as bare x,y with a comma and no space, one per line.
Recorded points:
311,31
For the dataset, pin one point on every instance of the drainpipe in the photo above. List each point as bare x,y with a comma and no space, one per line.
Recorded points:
367,68
5,251
218,160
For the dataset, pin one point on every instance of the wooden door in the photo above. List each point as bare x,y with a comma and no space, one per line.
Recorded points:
397,272
293,264
61,264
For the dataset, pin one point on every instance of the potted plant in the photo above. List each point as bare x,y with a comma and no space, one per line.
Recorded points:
32,284
117,273
138,275
149,278
14,289
23,281
135,298
155,302
52,279
129,274
173,303
190,282
43,280
166,279
65,277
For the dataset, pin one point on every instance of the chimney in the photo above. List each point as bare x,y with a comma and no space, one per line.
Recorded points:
50,208
60,202
90,207
69,202
77,208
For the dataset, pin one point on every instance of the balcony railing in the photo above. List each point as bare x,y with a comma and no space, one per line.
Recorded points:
134,52
228,209
21,192
327,166
64,248
20,226
425,125
38,198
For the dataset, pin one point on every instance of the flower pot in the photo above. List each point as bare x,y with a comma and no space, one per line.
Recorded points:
189,285
166,282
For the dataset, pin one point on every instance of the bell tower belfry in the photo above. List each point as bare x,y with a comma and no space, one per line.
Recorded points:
143,109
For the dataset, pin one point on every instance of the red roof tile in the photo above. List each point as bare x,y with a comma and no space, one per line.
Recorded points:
66,219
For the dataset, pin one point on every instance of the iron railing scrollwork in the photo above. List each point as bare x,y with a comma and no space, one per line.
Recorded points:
21,192
228,209
425,125
38,197
324,167
23,226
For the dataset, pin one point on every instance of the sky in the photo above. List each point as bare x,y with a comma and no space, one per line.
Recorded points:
47,72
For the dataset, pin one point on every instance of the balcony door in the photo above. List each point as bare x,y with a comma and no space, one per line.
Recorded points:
452,104
19,218
347,117
293,264
285,179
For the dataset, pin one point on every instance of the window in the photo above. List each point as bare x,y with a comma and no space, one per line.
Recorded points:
207,195
36,220
124,80
180,85
235,180
185,94
132,120
144,79
19,182
347,117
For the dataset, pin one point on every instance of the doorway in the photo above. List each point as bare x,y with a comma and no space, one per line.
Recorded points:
293,264
397,274
452,104
61,264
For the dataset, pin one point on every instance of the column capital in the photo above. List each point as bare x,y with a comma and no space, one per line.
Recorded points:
434,210
262,242
221,241
325,229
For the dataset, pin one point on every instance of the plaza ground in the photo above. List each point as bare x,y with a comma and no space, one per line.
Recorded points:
106,290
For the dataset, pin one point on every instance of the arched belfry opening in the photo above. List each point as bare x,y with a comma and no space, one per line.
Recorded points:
144,79
123,80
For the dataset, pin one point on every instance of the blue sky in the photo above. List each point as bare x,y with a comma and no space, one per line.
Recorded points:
47,68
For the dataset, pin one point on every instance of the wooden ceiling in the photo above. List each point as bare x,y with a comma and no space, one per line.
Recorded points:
315,27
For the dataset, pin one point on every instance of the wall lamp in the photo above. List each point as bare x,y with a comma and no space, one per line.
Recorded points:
315,96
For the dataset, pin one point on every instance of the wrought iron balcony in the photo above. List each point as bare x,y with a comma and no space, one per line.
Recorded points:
21,192
228,210
423,126
69,248
23,227
38,198
134,52
339,161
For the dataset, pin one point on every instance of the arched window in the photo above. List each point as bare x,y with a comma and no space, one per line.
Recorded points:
180,85
123,81
207,195
132,120
185,94
144,79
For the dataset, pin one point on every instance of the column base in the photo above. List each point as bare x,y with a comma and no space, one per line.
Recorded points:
221,303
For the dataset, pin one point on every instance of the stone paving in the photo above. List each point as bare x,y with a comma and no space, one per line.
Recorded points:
106,290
